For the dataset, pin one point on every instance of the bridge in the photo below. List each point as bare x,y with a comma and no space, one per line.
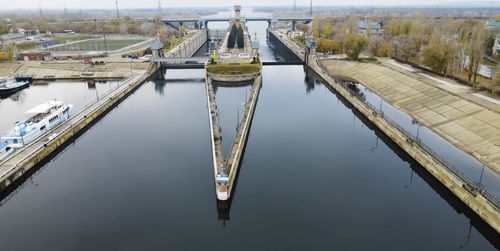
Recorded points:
205,21
199,62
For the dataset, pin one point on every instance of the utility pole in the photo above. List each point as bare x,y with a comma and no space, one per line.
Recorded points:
117,12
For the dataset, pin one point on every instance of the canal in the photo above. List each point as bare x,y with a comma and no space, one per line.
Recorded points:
315,175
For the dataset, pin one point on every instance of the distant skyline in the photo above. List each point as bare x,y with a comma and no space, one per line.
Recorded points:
149,4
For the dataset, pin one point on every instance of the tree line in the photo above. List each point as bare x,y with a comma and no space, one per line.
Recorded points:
453,47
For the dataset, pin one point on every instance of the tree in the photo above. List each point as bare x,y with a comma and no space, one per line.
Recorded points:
475,50
303,27
351,25
326,45
240,40
437,57
4,27
315,27
497,76
328,30
353,45
385,49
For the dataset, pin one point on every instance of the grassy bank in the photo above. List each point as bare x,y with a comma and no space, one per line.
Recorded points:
233,68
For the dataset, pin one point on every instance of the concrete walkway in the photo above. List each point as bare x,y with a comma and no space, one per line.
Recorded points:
471,125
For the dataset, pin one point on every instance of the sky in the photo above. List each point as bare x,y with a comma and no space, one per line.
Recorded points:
127,4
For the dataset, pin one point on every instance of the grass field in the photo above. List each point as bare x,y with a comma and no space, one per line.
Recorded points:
98,45
233,68
26,47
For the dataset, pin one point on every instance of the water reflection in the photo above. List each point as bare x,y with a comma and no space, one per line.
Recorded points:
160,87
474,220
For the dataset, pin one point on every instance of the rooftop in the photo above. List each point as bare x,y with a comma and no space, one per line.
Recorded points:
45,107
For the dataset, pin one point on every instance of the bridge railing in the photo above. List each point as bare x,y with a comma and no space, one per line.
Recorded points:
476,186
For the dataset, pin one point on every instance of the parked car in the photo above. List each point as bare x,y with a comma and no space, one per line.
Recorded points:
124,55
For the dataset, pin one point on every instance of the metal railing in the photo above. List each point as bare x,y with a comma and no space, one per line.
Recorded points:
452,168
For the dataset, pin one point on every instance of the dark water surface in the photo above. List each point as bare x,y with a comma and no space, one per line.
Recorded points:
314,176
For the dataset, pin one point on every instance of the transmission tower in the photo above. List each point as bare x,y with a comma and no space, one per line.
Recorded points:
294,4
159,9
311,9
117,12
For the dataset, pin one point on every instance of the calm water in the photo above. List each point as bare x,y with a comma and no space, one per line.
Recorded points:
79,94
314,177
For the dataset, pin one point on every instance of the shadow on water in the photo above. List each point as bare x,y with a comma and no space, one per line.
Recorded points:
486,230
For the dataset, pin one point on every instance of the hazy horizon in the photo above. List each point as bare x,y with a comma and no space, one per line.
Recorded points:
152,4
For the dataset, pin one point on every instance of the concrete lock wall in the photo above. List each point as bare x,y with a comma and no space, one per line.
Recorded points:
474,200
190,46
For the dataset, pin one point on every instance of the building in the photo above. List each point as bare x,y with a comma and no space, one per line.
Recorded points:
237,12
374,27
34,56
496,45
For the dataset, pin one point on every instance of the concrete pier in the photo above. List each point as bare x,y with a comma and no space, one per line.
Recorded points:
225,171
476,198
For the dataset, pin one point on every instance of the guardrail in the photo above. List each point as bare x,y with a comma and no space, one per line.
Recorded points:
452,168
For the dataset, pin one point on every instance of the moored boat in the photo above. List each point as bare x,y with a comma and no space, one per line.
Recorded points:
10,85
42,118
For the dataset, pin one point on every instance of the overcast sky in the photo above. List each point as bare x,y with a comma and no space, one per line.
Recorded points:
108,4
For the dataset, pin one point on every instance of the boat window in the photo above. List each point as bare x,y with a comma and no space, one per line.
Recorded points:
7,148
15,141
42,128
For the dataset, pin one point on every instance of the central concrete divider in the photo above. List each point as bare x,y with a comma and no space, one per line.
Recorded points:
225,171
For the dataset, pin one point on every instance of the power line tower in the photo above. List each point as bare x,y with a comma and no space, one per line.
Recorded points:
311,9
117,12
158,16
294,4
159,9
40,8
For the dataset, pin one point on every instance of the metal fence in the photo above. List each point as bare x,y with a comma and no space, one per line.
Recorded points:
466,179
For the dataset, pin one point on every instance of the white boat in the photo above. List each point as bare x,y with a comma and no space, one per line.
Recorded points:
42,118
